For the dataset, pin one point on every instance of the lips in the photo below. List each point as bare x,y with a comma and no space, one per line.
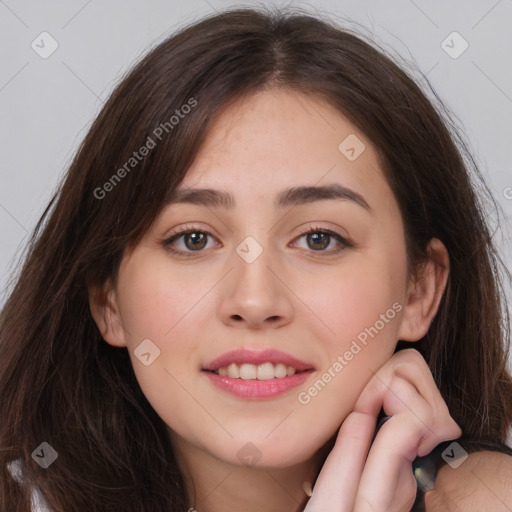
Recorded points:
241,356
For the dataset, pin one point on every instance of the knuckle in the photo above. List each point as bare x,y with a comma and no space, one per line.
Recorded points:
356,422
412,358
428,418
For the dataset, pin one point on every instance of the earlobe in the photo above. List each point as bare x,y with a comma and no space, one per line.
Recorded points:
105,312
424,293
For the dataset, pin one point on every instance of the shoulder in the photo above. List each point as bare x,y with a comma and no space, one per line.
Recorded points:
482,482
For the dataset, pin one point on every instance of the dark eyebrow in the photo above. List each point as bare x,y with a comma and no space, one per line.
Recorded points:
290,197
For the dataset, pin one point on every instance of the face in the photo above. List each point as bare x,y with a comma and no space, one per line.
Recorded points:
319,277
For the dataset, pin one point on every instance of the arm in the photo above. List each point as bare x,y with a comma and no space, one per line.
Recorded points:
483,482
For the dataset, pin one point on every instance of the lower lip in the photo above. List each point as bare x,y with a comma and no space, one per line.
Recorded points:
254,389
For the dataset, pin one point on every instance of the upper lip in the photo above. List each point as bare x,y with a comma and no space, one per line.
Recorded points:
240,356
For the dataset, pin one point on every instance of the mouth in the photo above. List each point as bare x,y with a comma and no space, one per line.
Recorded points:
253,375
257,375
249,385
249,365
264,371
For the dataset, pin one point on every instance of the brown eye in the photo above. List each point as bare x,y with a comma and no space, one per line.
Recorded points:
195,240
318,239
187,242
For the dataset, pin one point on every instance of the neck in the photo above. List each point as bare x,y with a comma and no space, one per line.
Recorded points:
216,486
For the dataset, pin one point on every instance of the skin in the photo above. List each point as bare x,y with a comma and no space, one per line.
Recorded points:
194,309
482,482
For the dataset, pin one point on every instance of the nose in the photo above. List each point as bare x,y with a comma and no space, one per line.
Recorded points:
255,293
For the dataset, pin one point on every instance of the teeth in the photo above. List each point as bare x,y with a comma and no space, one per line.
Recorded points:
233,371
281,371
248,371
264,371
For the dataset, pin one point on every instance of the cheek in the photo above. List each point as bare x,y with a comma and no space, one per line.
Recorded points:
350,301
166,309
360,313
156,302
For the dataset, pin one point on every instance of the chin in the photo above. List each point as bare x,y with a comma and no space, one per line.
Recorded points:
265,455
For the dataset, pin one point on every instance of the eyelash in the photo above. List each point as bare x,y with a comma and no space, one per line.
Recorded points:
185,230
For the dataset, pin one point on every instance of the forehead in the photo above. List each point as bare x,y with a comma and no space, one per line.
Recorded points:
277,139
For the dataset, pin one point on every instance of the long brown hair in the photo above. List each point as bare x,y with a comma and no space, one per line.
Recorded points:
61,383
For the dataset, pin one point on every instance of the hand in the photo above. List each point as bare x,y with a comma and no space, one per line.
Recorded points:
361,476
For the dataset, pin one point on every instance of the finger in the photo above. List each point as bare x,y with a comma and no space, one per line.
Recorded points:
441,425
387,482
383,390
414,368
338,481
414,429
406,362
401,398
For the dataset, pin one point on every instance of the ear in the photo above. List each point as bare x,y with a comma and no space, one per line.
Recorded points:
424,293
105,311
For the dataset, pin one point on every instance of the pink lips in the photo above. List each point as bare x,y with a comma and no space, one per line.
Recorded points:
254,389
257,389
241,356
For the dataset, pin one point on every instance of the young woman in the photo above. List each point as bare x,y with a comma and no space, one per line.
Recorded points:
266,283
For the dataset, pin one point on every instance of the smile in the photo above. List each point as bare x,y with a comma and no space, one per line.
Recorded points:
254,388
265,371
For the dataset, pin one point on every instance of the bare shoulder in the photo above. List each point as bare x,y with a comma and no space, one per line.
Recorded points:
482,482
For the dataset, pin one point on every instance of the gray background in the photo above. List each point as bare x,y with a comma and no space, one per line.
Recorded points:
48,104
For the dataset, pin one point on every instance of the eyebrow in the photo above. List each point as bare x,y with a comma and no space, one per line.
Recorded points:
289,197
